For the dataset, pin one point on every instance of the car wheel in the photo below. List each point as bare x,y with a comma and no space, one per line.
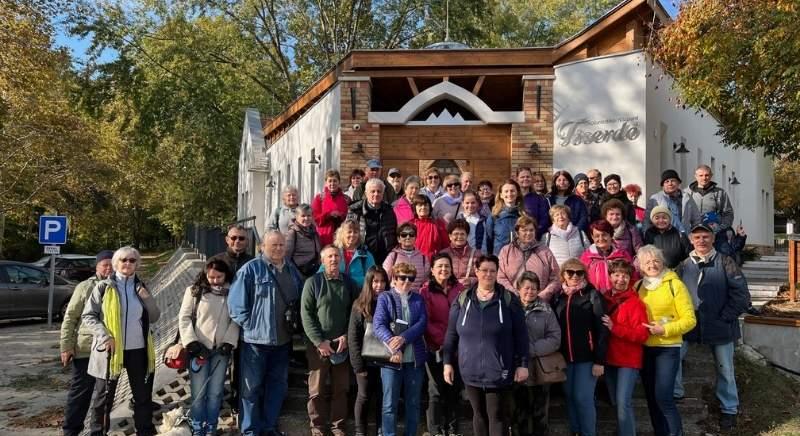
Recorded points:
62,312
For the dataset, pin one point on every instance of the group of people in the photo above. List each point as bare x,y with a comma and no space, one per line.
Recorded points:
407,282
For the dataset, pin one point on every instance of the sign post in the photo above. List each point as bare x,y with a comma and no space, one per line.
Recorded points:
52,234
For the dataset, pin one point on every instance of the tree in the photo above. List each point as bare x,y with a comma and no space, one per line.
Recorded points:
740,60
787,196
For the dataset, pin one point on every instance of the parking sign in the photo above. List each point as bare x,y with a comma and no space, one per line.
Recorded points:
52,230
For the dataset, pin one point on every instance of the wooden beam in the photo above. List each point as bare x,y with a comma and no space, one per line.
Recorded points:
317,90
455,72
477,88
413,85
393,59
591,32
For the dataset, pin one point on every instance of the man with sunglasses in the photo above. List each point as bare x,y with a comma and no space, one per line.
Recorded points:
373,171
595,194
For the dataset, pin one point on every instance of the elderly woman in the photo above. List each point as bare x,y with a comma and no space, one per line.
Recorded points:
356,259
119,313
634,192
486,196
670,315
599,254
404,206
614,191
527,254
284,215
562,193
471,213
500,224
407,252
431,231
584,342
564,239
674,244
302,242
462,255
626,235
447,206
486,332
330,208
433,185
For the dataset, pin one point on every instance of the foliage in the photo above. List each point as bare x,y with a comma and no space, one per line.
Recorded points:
740,60
787,196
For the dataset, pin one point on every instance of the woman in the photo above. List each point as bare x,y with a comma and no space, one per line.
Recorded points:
625,319
500,224
486,331
431,232
527,254
404,207
539,184
471,213
448,205
614,191
368,374
634,191
462,255
626,235
400,322
584,340
406,252
525,179
537,205
284,215
486,195
433,186
582,187
439,293
564,239
330,208
597,256
665,236
119,313
670,315
356,259
356,177
561,192
209,336
532,402
302,242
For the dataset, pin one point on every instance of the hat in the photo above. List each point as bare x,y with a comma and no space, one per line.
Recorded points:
581,176
374,163
612,177
393,171
701,227
660,209
104,255
670,174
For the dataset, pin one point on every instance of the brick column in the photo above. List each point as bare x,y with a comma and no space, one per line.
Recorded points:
539,130
368,134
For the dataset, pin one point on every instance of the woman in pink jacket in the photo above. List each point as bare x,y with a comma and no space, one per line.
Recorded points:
526,254
329,208
598,255
404,206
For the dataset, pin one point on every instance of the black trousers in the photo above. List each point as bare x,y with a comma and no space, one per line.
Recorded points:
369,395
141,383
488,414
79,398
530,410
444,400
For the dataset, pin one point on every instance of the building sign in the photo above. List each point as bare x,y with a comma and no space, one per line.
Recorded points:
585,131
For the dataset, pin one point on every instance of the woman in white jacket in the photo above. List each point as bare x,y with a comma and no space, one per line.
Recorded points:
209,335
564,239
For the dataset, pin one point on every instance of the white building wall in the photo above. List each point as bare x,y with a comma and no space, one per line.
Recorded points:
251,186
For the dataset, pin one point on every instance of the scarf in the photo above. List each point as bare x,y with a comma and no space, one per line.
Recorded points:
652,283
536,305
562,233
452,201
570,290
698,258
221,291
619,231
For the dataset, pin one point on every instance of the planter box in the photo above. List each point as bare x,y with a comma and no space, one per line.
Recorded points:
778,339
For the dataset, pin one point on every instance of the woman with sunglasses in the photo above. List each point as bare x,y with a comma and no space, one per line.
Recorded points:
400,322
404,206
599,254
562,193
119,313
507,210
368,373
431,231
439,292
488,340
407,252
584,341
433,185
526,254
448,205
209,335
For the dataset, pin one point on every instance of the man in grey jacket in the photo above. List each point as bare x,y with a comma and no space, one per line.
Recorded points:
710,198
683,208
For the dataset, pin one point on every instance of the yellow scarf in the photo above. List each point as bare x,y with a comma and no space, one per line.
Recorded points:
113,321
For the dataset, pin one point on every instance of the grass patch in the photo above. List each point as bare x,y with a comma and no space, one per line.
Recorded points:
152,262
44,381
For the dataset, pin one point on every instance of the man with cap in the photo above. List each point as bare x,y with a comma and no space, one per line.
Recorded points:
710,198
685,213
373,171
76,343
719,293
665,236
614,190
467,180
395,179
594,197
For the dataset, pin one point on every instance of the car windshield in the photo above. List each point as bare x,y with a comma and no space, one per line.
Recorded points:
42,261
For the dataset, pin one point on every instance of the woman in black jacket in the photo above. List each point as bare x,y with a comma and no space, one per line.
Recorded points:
584,339
368,375
664,235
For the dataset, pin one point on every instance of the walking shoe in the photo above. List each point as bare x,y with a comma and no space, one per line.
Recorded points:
727,421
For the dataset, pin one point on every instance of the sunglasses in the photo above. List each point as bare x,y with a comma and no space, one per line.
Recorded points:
408,235
450,185
433,177
575,272
406,278
128,260
237,238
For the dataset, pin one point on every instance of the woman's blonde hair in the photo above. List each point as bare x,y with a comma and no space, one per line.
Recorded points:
559,208
403,268
338,239
573,264
498,199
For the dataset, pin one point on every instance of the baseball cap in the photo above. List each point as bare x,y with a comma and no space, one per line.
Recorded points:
374,163
701,227
393,171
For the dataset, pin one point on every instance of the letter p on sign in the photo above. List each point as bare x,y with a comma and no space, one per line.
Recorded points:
52,230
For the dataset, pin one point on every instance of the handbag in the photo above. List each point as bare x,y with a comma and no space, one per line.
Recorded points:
175,356
373,348
548,369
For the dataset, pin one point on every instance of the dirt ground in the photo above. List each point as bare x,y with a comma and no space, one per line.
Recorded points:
33,384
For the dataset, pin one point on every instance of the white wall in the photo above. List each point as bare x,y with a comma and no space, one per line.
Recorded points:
607,94
250,196
666,123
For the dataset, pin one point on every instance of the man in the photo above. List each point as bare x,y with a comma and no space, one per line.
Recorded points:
377,221
685,214
594,197
719,293
614,191
356,177
325,309
396,180
261,301
373,171
76,343
467,180
284,215
710,198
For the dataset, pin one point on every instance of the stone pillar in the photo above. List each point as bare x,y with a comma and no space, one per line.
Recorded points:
534,129
367,134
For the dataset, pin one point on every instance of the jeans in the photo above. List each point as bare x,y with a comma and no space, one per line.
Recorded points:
530,410
79,398
327,403
727,393
370,394
409,379
265,379
679,392
579,392
620,383
208,389
141,383
443,399
489,417
659,366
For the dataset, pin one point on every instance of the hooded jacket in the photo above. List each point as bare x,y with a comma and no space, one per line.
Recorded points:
403,210
213,325
676,247
357,269
540,261
670,305
712,198
414,334
584,338
378,227
500,229
323,207
628,334
537,206
415,258
597,267
437,305
75,336
689,216
431,235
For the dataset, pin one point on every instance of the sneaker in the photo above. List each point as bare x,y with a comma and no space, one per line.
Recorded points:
727,421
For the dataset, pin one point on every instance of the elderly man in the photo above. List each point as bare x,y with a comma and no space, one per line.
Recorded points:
373,171
262,301
396,180
284,215
76,343
594,197
710,198
719,293
325,308
376,220
685,214
467,181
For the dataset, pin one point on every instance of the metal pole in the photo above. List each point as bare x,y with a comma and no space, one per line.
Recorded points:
51,291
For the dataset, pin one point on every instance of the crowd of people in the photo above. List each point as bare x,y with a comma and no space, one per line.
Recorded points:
399,283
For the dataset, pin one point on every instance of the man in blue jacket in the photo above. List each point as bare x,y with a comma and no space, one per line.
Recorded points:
261,301
719,292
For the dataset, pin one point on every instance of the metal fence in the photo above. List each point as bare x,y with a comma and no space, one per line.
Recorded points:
209,241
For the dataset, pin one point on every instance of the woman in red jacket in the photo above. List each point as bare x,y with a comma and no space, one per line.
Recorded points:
431,232
329,208
626,317
443,398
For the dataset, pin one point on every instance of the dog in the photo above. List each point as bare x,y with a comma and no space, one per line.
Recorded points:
175,423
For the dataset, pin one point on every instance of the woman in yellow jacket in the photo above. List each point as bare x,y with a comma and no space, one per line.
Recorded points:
670,315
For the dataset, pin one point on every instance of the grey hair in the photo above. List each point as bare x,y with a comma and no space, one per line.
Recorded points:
412,179
289,188
651,250
303,209
270,232
374,182
123,253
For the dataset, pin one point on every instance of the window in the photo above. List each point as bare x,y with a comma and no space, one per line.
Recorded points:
314,173
713,165
300,178
724,180
21,275
329,153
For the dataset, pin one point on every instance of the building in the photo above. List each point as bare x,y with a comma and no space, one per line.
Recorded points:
592,101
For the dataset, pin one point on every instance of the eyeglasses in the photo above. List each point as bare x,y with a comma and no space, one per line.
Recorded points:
575,272
394,176
237,238
406,278
128,260
451,185
433,177
408,235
